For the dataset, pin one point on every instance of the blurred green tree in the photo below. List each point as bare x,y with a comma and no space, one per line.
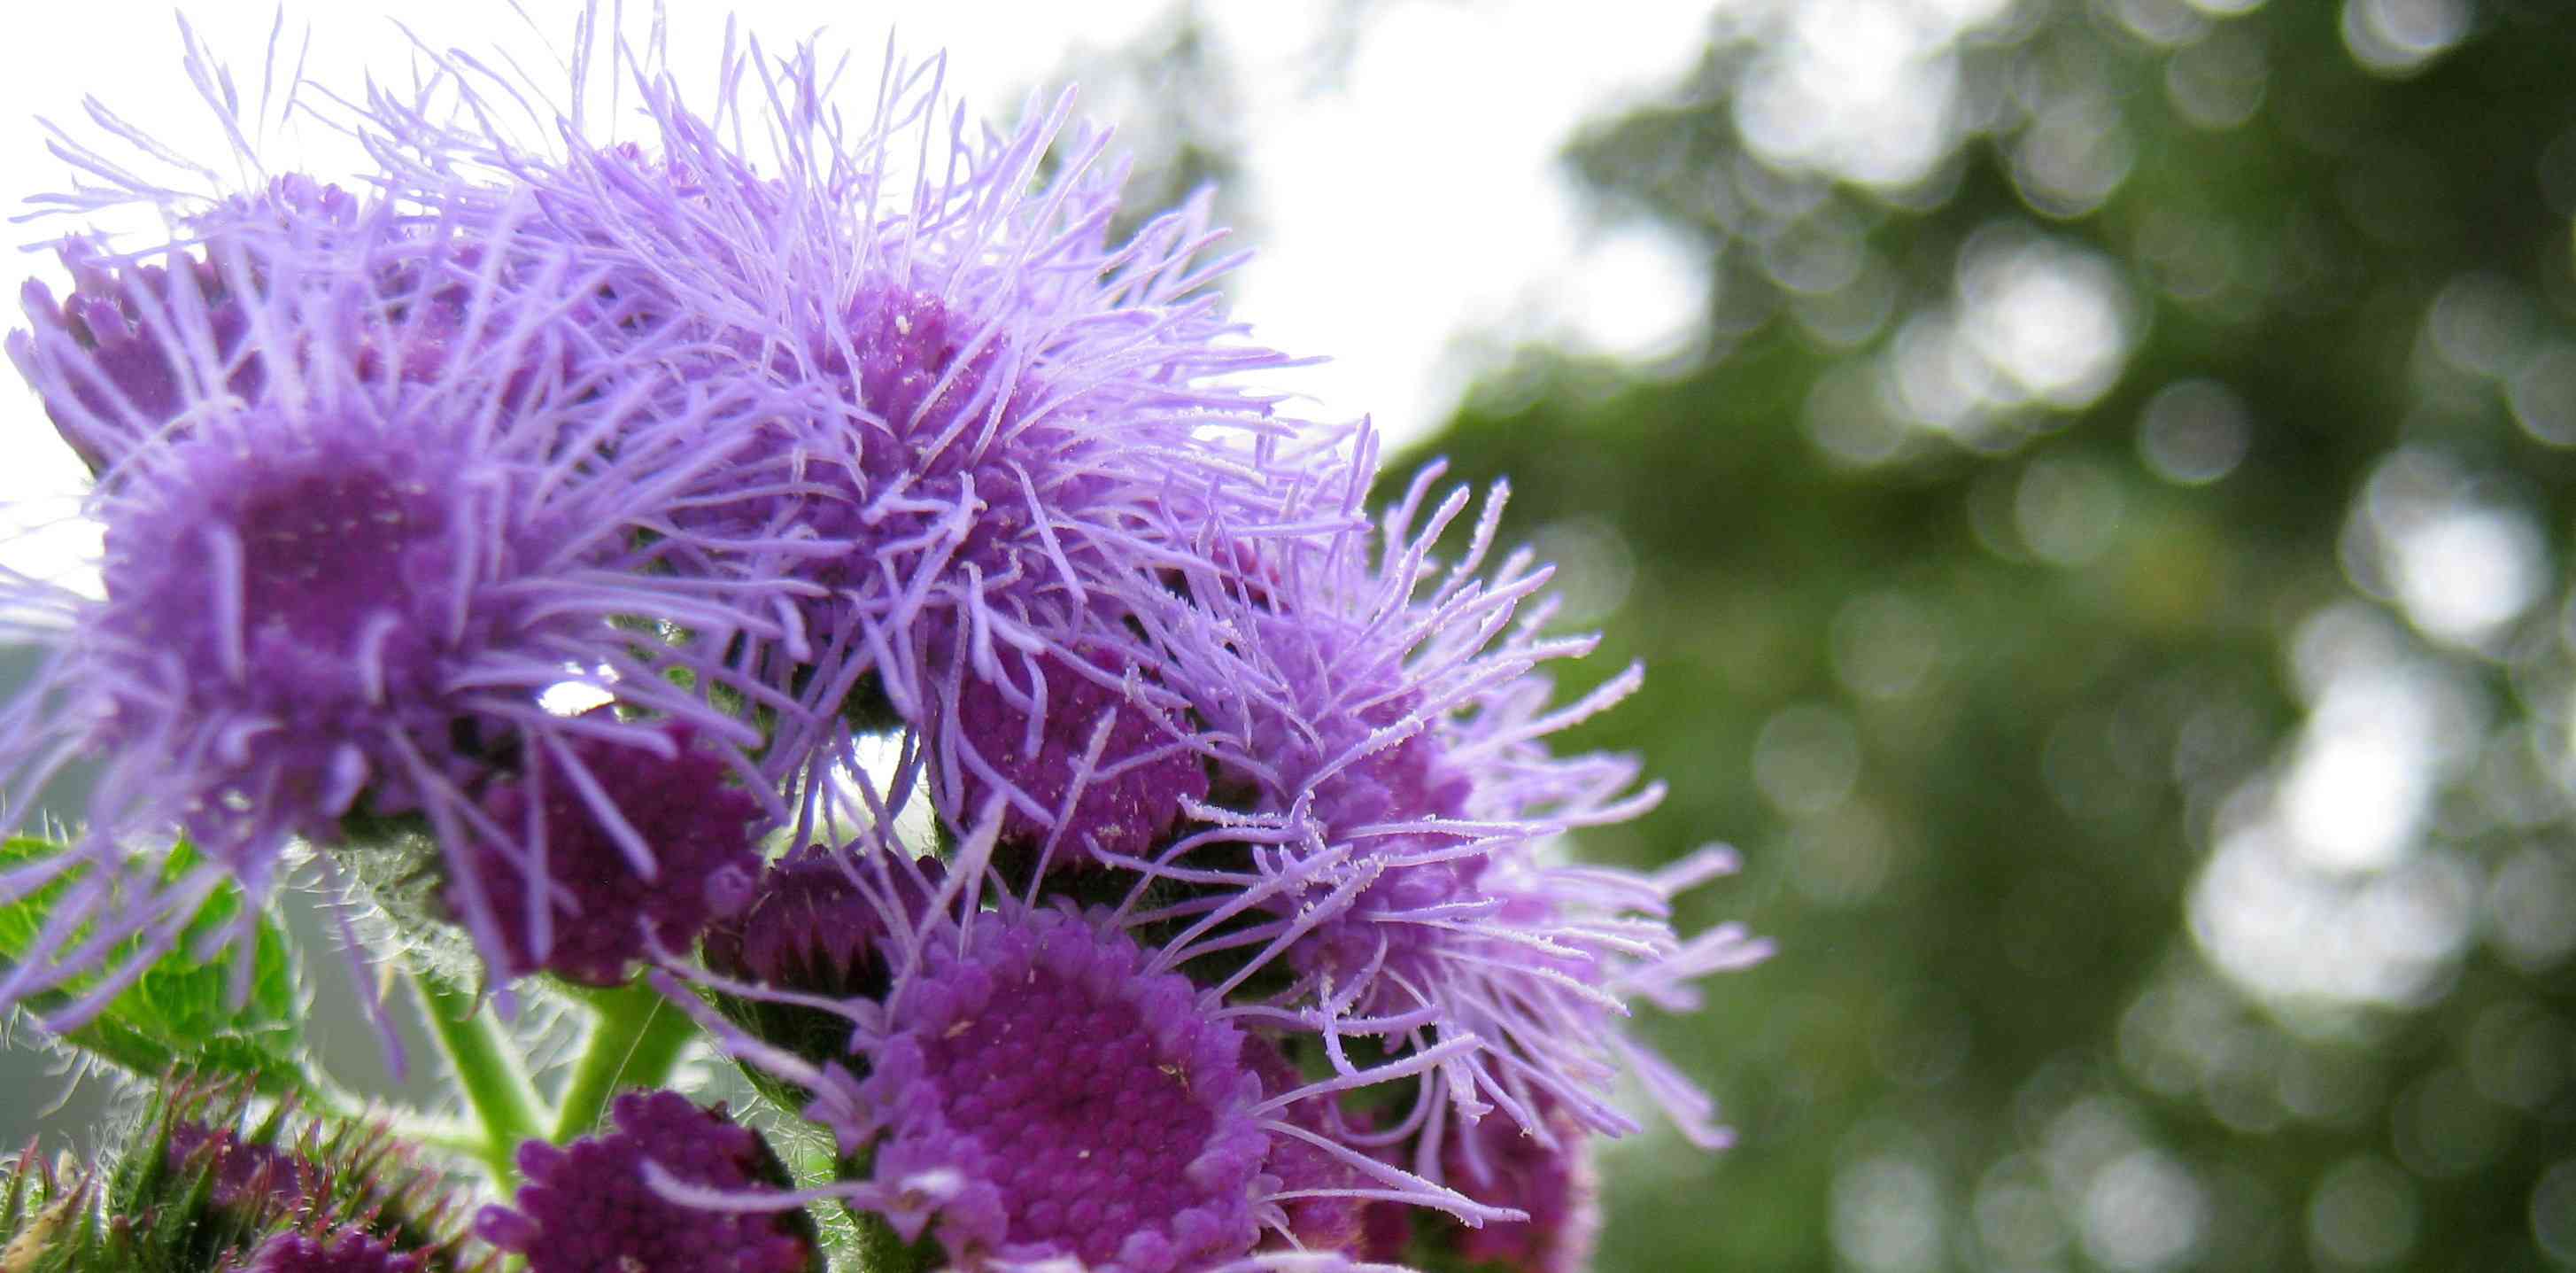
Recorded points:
2104,567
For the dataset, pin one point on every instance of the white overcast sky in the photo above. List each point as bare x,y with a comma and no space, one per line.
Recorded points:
1408,212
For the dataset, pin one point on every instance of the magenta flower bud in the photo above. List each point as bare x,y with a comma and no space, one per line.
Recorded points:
1091,762
592,1206
245,1174
1551,1177
607,908
346,1251
814,919
1090,1109
125,316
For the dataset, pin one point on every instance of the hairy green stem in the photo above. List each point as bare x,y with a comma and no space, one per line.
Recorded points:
635,1041
445,1135
503,1103
319,1093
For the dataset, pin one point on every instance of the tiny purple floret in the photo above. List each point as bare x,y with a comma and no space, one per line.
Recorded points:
350,1250
244,1172
1123,797
588,1207
607,913
1089,1109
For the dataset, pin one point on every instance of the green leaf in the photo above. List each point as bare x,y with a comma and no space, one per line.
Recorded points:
180,1013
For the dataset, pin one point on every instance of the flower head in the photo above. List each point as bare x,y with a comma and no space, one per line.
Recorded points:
592,1205
348,592
1551,1178
254,1173
1331,1208
595,907
982,406
343,1251
132,378
1033,1084
815,934
812,926
1140,1147
1385,729
1088,763
112,314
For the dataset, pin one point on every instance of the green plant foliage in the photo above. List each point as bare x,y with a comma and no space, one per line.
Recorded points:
45,1211
204,1176
181,1013
1998,678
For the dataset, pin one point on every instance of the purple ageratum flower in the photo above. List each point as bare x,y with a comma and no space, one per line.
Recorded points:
348,593
1088,764
1551,1178
130,383
348,1250
1141,1148
814,923
1330,1208
986,409
589,910
811,938
593,1205
1033,1085
112,314
1385,732
261,1175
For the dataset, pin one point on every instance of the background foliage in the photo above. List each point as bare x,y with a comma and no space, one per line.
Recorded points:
2105,566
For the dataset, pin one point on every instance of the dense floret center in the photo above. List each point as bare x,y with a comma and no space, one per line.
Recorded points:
699,827
588,1207
909,372
1123,805
1092,1137
322,547
1088,1108
311,568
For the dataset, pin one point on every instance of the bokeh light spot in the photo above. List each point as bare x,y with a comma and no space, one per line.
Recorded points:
2194,432
2553,1213
2543,396
2531,908
2363,1212
2073,156
1594,568
2049,315
2067,510
2015,1215
1885,645
2144,1211
1887,1215
1806,759
2482,324
2218,83
2397,37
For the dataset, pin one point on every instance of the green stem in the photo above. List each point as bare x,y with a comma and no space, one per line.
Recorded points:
635,1041
443,1135
497,1091
322,1094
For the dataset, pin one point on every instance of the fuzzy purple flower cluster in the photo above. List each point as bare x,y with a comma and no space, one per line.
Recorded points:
858,580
